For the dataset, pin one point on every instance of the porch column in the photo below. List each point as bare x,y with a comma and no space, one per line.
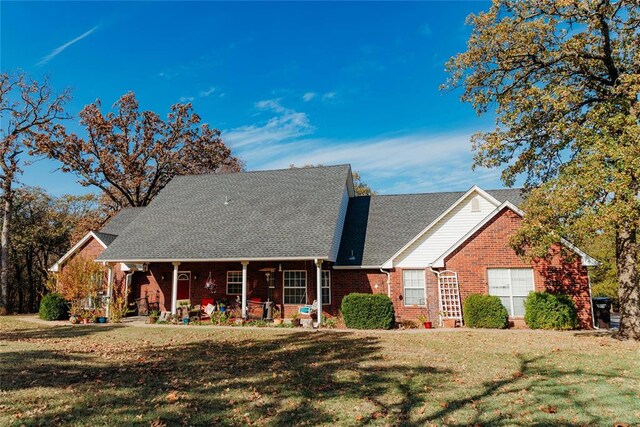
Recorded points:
109,288
319,290
174,288
244,289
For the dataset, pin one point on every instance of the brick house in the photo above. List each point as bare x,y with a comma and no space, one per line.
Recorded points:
290,235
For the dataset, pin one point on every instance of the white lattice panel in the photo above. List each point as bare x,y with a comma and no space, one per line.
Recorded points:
449,295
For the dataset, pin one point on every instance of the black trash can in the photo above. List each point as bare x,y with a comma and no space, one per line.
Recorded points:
602,312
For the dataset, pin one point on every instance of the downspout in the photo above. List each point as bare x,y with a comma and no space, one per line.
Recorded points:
438,287
388,281
593,317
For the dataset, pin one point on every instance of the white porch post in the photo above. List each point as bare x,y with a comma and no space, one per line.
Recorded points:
319,290
244,289
174,288
109,288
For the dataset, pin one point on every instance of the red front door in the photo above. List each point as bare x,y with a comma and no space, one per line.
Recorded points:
184,282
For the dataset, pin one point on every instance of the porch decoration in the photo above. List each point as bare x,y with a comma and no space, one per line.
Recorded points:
449,298
211,285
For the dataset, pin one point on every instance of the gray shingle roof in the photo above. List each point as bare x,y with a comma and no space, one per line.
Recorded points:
120,221
376,227
280,213
105,238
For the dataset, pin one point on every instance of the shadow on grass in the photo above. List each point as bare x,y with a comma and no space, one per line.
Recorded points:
275,381
52,332
241,378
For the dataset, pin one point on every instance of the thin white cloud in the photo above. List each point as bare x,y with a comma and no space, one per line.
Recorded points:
308,96
186,99
399,163
283,125
57,51
207,92
329,96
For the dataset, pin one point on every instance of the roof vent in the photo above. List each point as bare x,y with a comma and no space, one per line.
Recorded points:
352,257
475,205
226,200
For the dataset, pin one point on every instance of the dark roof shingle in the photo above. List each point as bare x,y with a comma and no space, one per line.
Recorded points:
376,227
267,214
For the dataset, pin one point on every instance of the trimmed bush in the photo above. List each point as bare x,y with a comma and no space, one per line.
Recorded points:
484,311
368,311
54,307
544,310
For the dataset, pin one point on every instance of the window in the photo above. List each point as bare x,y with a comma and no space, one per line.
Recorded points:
511,285
413,283
234,282
326,287
295,287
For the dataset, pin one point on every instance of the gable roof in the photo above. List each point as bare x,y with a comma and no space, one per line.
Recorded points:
585,258
377,227
101,238
283,214
116,224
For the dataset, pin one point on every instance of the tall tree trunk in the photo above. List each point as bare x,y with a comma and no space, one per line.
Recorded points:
628,286
4,241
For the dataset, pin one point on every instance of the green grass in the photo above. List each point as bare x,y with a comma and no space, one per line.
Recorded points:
105,375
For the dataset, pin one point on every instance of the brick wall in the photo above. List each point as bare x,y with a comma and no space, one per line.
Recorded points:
489,248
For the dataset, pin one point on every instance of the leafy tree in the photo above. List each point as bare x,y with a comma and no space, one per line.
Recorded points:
29,113
563,78
80,278
131,155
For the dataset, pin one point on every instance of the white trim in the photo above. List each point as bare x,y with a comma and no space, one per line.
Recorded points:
475,189
306,285
326,287
511,296
356,267
139,261
439,262
587,261
56,267
235,283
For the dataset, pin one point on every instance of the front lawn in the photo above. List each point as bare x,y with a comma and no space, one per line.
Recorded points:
105,375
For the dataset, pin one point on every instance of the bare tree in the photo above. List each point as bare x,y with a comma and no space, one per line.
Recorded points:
29,112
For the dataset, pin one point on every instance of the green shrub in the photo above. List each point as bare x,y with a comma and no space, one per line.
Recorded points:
54,307
544,310
484,311
368,311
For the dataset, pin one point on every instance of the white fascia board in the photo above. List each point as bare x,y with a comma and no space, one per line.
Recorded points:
439,262
356,267
56,267
475,189
587,260
255,259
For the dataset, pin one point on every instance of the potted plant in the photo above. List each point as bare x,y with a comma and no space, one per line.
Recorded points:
295,321
86,316
277,320
153,316
447,322
425,321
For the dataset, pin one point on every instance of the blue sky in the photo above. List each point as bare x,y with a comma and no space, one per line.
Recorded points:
287,83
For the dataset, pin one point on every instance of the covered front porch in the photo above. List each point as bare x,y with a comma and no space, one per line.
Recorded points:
289,284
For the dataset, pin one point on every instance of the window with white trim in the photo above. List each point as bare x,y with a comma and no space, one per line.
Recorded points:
234,282
326,287
295,286
511,285
413,285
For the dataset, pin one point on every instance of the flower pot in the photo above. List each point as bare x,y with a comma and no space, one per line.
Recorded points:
185,320
295,322
85,321
74,320
153,319
427,325
102,319
277,321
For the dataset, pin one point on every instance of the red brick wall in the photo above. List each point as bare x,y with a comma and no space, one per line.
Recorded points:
91,250
489,248
156,283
